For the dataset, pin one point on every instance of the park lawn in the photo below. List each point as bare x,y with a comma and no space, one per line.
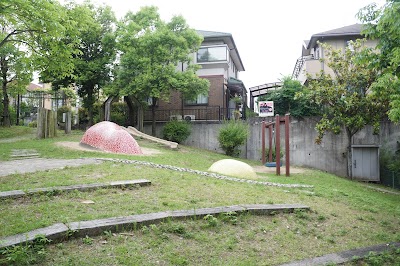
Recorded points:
343,215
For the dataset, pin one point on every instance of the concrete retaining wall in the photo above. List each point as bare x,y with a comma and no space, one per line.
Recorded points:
330,156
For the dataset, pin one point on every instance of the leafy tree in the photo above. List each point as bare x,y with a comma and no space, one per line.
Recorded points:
285,100
97,51
344,98
151,50
383,24
30,33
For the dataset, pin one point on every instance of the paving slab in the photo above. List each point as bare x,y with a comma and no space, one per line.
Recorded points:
40,164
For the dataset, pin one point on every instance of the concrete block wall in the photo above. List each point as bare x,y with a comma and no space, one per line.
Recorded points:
329,156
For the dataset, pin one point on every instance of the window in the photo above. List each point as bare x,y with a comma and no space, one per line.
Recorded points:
201,99
212,54
350,45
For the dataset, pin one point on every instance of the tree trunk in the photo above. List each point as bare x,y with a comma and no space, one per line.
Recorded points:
153,114
131,110
90,106
6,100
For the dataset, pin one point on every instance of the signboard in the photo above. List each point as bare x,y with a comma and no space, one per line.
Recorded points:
266,108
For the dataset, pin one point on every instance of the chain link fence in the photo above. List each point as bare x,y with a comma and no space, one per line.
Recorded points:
390,178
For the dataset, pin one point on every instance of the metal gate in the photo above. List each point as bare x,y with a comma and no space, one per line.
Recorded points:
365,162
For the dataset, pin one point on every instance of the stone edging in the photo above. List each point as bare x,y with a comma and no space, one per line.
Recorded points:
214,175
60,231
84,187
344,256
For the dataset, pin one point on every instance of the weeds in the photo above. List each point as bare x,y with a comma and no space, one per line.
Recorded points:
26,254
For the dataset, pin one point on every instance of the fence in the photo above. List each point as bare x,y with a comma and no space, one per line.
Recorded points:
390,178
208,113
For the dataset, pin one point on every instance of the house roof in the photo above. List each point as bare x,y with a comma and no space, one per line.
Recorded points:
347,31
37,87
228,40
236,85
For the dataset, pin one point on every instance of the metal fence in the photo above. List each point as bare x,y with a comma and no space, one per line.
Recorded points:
390,178
209,113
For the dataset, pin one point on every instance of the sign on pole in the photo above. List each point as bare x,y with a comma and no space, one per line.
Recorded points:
266,108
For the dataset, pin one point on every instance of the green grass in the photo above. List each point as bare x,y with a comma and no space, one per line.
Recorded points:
344,214
16,131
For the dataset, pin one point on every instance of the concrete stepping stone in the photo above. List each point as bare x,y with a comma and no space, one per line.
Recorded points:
59,232
20,154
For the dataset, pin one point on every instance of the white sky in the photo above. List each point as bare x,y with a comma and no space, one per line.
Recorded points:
267,33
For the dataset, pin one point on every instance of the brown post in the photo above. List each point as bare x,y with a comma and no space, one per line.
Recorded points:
287,150
278,145
263,142
270,143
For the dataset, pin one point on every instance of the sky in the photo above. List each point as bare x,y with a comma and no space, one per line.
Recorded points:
268,33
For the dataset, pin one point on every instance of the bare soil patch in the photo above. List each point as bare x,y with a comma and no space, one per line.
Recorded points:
83,147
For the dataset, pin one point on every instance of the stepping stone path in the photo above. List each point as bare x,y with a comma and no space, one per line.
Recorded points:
24,154
60,231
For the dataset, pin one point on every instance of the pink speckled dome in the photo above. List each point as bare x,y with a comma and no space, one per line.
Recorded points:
109,136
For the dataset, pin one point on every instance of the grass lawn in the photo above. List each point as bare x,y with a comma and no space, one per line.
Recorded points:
343,215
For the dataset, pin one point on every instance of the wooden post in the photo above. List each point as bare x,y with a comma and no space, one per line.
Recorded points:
278,145
47,121
287,150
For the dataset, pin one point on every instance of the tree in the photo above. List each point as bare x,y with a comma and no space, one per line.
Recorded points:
343,97
285,100
97,51
151,50
29,40
382,24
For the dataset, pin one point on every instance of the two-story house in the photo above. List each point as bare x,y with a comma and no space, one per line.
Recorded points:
220,63
309,62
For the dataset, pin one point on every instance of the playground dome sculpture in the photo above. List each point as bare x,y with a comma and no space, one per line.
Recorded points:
108,136
233,167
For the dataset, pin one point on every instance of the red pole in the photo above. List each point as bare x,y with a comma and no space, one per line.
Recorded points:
287,150
278,145
263,142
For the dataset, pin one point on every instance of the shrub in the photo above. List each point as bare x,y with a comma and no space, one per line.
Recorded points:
33,124
176,131
60,111
231,136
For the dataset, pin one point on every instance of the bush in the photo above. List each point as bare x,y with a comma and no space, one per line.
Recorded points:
176,131
231,136
60,111
33,124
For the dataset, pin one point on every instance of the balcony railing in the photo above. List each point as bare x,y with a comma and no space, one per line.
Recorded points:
209,113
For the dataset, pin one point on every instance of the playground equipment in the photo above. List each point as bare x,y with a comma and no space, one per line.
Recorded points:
136,133
270,126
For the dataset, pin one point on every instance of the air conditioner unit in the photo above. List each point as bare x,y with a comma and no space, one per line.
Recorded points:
190,117
175,117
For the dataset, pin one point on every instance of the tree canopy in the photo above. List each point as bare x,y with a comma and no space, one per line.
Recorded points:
285,100
151,51
93,64
30,33
383,24
343,97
